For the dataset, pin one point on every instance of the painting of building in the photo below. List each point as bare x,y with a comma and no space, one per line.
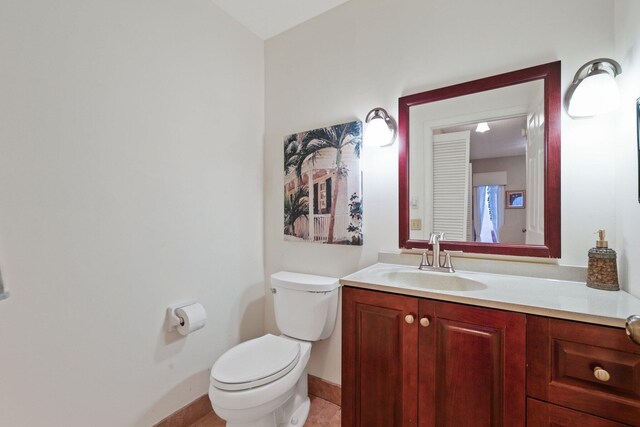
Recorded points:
322,185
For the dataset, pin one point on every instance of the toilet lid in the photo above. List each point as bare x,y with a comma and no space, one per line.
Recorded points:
255,362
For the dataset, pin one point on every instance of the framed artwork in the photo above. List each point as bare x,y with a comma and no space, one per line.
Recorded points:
515,199
323,185
638,141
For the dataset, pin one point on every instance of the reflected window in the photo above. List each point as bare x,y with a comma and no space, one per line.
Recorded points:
488,208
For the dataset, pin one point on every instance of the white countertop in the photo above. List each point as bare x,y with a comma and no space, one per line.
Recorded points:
546,297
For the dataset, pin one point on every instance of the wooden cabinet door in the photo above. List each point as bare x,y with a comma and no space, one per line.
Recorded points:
542,414
379,359
471,367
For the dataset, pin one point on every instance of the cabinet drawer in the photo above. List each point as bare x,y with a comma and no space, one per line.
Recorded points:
542,414
595,369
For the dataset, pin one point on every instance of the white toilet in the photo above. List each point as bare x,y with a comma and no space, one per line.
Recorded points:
263,382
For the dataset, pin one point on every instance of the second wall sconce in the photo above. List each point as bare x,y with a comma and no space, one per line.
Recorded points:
381,128
594,89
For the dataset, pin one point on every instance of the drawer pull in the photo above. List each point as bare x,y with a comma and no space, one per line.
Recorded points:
601,374
409,318
424,322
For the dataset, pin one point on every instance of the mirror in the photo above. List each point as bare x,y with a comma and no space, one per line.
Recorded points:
480,161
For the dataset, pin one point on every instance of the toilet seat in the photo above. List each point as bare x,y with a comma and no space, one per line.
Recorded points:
255,362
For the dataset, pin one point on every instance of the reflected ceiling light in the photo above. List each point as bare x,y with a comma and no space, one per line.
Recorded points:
482,127
381,128
593,90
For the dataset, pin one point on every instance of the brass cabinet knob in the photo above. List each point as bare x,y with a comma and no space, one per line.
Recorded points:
409,318
424,321
633,328
601,374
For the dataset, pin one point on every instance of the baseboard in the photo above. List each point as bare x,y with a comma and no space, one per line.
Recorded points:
201,407
189,414
325,390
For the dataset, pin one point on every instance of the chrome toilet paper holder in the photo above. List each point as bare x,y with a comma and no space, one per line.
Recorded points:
173,319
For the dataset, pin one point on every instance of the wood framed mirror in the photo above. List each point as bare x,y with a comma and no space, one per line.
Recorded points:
455,175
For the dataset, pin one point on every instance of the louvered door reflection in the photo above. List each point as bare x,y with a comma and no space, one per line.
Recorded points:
451,184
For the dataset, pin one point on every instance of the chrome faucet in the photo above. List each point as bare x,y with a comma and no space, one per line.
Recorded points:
434,241
435,264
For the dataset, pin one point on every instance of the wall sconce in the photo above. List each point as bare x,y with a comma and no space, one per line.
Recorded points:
381,128
593,90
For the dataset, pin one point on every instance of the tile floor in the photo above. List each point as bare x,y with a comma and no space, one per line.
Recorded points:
322,414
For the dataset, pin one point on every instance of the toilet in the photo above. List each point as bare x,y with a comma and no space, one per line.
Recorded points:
263,382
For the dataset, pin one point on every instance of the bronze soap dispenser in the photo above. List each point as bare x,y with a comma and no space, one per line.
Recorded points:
602,271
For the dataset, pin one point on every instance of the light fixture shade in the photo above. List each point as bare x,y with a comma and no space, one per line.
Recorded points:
594,90
381,128
482,127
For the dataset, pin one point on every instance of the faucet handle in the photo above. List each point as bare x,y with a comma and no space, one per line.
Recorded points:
436,236
425,260
447,259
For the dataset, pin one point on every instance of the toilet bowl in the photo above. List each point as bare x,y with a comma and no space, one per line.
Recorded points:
263,382
257,399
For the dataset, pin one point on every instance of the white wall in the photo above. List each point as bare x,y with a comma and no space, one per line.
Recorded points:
627,41
130,178
367,53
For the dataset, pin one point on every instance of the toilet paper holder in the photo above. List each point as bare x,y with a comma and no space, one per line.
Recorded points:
173,319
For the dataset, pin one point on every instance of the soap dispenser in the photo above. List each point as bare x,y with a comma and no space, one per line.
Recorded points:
602,272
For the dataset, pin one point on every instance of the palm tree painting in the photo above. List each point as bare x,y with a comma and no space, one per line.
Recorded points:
322,175
296,206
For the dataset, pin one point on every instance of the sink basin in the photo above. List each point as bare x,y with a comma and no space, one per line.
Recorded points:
432,280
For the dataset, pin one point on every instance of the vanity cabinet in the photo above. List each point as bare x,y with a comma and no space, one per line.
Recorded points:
409,361
587,368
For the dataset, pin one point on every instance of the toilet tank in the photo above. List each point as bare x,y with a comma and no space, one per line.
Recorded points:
305,305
